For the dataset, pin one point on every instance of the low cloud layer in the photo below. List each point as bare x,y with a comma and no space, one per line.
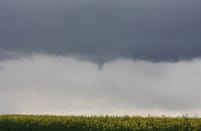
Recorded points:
45,83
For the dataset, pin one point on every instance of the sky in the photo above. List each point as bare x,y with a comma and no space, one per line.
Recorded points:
94,57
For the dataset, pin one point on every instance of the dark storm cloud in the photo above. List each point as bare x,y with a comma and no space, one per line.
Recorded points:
142,29
49,36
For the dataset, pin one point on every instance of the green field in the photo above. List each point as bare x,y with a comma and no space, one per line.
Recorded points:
93,123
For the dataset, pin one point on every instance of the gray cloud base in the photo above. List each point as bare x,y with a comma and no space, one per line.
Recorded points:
156,30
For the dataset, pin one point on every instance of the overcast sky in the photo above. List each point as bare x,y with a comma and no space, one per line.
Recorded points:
100,56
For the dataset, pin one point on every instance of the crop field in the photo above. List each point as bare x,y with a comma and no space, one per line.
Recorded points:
95,123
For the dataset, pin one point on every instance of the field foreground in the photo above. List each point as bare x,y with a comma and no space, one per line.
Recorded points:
94,123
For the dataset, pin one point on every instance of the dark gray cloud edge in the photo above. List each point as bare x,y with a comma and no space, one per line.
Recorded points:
156,30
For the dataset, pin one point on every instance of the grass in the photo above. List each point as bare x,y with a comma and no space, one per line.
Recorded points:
97,123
